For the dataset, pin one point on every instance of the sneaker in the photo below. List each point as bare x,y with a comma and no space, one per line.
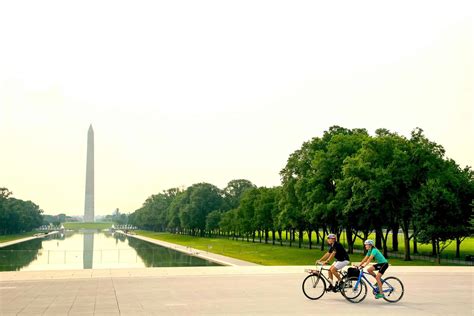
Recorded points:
377,296
330,287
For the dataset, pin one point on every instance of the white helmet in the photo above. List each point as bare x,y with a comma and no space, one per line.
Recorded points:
369,242
331,236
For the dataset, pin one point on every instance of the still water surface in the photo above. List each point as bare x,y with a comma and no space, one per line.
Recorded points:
90,249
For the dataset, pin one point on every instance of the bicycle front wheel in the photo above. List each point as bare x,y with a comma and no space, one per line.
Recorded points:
354,292
393,289
314,286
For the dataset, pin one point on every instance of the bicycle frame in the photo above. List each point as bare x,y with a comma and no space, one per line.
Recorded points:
318,272
362,276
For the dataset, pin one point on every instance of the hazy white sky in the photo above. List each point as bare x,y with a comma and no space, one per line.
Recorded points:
181,92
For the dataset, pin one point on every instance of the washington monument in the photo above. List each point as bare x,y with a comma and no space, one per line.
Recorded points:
89,199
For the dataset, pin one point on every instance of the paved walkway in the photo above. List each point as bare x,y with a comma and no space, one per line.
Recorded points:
231,290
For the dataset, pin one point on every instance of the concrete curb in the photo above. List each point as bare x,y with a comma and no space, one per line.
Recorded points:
201,271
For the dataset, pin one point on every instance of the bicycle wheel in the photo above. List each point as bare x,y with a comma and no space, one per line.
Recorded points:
352,293
314,286
393,289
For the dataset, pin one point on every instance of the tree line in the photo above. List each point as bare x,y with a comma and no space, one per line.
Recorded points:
17,216
344,181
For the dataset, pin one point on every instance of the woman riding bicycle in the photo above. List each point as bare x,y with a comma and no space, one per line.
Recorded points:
381,265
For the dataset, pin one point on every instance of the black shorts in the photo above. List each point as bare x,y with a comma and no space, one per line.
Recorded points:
381,267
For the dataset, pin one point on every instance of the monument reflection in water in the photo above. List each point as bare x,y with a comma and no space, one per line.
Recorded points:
88,252
89,249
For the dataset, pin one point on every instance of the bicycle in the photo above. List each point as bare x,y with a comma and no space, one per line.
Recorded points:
314,285
392,288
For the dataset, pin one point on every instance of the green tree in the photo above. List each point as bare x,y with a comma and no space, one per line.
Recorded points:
425,156
203,198
154,213
212,221
444,206
376,175
293,205
17,215
175,209
309,182
277,225
337,145
246,213
229,222
4,214
466,203
233,192
265,205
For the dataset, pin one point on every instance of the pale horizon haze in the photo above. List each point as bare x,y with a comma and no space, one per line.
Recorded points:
182,92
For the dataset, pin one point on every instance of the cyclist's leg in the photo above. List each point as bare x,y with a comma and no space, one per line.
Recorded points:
333,271
330,272
382,268
330,287
338,265
378,277
371,269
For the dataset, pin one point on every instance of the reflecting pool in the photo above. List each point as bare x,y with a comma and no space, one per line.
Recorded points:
91,250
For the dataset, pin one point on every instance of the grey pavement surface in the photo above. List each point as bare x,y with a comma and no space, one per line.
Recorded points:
222,291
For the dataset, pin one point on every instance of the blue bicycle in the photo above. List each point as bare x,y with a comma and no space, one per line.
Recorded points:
355,288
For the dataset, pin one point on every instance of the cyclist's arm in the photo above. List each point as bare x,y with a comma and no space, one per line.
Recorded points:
363,261
331,256
367,261
324,257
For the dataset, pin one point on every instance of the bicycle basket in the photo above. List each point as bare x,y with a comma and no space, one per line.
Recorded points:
353,273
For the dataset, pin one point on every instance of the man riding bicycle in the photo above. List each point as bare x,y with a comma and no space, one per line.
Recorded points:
342,259
381,265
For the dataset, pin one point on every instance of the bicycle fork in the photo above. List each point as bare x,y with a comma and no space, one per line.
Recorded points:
317,279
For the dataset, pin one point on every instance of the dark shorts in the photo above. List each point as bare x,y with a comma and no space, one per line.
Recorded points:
381,267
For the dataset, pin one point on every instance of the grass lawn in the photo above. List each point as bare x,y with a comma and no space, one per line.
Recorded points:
5,238
264,254
79,225
467,246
